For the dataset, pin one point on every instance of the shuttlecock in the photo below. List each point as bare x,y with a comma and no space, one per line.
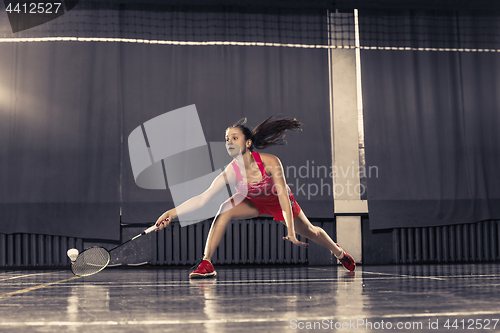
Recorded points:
72,254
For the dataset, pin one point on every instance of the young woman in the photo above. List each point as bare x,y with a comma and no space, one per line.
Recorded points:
261,189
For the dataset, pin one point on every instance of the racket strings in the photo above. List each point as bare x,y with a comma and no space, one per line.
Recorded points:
90,261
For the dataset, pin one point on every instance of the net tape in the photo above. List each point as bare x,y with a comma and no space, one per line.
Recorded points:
431,30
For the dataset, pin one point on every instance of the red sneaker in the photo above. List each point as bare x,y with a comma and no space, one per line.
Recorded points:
204,270
347,260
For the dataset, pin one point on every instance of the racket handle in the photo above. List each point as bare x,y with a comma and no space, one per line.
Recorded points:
152,228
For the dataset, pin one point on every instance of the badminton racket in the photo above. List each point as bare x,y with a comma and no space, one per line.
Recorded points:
95,259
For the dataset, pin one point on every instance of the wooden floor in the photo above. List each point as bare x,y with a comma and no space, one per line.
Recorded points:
427,298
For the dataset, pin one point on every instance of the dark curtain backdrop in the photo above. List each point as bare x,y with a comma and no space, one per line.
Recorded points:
60,139
431,129
227,83
67,109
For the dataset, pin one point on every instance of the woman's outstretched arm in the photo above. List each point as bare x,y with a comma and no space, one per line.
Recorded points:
198,201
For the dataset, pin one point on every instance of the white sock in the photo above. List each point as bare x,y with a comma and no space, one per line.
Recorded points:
341,256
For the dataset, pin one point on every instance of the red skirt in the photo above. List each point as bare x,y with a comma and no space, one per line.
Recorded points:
271,206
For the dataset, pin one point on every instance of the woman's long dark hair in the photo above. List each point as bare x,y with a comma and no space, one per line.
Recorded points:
270,132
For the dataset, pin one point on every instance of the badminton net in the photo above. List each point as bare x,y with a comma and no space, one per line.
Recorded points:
309,24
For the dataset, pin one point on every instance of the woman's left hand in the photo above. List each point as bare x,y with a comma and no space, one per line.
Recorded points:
295,241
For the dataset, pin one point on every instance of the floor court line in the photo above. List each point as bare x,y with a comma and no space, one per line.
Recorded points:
227,283
22,291
21,276
469,276
190,284
218,284
193,283
439,277
392,274
406,276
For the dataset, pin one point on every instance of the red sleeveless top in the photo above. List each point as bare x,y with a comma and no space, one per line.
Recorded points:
263,193
262,189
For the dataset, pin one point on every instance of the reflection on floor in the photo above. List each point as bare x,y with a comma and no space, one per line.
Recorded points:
427,298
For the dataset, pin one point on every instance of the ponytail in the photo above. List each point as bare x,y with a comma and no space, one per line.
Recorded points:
270,132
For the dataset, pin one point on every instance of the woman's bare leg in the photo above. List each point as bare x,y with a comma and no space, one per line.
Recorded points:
243,209
305,228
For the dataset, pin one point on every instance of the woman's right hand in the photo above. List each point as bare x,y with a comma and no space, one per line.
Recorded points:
295,241
165,219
